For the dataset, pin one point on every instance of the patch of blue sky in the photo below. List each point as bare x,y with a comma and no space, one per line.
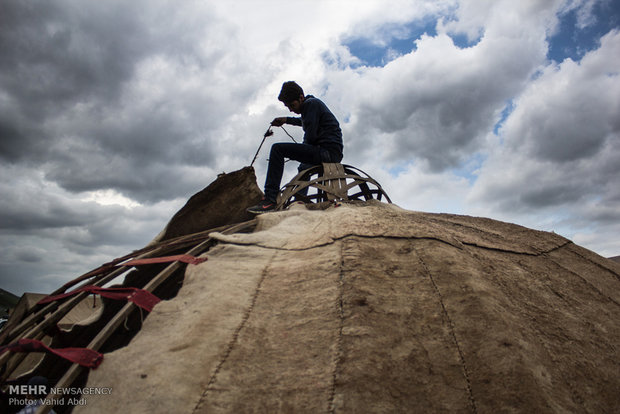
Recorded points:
576,36
469,169
389,42
392,41
462,41
510,106
399,168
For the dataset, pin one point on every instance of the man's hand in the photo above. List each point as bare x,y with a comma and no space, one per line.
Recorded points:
279,121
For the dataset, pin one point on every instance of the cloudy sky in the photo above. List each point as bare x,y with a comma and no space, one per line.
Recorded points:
113,113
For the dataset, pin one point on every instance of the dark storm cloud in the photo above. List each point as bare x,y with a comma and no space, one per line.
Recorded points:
58,53
78,105
122,96
48,236
146,182
51,61
147,160
28,207
548,195
15,218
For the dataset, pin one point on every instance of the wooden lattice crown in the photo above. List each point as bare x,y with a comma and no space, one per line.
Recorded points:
330,182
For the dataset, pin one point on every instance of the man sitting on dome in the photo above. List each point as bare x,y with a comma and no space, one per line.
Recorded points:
322,140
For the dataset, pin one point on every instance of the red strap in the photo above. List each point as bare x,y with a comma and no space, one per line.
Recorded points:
140,297
85,357
185,258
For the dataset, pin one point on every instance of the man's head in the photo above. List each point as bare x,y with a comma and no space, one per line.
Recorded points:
292,95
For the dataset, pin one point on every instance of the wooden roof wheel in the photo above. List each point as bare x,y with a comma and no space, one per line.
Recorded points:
330,182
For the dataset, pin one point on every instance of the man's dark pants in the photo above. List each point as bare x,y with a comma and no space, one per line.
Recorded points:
308,155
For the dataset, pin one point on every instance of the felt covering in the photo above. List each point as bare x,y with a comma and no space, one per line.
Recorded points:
371,308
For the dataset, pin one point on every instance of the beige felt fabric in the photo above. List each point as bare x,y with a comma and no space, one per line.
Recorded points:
371,308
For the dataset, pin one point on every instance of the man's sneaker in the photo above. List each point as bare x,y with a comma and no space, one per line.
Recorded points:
262,207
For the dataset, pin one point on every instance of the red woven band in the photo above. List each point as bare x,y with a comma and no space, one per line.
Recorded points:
145,299
85,357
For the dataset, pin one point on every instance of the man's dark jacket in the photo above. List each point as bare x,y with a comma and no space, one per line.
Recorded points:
321,128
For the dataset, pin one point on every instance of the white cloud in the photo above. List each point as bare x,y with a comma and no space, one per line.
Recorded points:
437,103
109,198
561,151
570,110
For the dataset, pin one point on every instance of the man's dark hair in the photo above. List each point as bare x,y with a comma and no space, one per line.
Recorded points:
290,91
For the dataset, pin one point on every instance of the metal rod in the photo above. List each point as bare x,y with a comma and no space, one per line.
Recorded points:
268,133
